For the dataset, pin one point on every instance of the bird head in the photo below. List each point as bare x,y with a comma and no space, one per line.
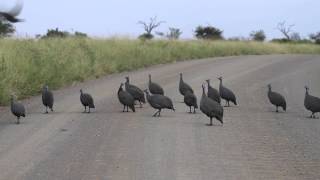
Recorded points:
127,79
45,87
306,87
81,91
269,86
208,81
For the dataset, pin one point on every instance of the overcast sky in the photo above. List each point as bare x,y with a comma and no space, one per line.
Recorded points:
120,17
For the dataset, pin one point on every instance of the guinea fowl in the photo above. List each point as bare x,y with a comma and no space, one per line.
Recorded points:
136,92
11,15
213,93
126,99
47,98
276,99
159,102
311,103
211,108
17,109
86,100
184,87
226,94
191,100
155,88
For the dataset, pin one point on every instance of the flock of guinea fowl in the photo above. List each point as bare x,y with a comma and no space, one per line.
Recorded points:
210,103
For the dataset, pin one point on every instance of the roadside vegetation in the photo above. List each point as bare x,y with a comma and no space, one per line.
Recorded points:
25,65
59,58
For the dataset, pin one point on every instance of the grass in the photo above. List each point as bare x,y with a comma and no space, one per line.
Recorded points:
25,65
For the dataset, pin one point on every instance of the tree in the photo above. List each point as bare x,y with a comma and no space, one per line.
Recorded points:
295,36
56,33
174,33
149,27
258,35
315,37
285,29
6,28
208,32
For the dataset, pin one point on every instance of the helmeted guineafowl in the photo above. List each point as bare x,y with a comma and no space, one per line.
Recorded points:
184,87
17,109
47,98
11,15
86,100
126,99
159,102
211,108
276,99
136,92
213,93
191,100
155,88
311,103
226,94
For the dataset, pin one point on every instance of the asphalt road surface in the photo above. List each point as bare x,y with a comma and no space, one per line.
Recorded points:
254,143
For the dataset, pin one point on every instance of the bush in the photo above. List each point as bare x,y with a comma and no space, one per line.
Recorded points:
6,28
258,35
146,36
208,32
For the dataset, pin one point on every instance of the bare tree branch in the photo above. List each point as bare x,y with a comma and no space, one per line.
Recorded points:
284,29
151,25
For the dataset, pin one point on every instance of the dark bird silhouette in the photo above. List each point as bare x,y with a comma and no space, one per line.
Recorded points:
211,108
184,87
159,102
213,93
17,109
86,100
155,88
311,103
11,15
47,98
126,99
276,99
191,100
136,92
226,94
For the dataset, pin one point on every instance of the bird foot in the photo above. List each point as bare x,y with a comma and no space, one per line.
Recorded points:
209,124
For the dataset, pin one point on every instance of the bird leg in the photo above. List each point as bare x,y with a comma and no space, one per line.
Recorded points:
127,108
89,110
277,109
18,120
190,109
46,110
140,104
159,113
210,122
51,109
85,109
194,110
154,115
124,108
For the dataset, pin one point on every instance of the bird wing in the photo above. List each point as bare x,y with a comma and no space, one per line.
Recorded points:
16,10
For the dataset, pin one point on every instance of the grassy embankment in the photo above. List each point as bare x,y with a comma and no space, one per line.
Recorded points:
25,65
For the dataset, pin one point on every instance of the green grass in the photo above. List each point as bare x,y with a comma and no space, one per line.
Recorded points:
25,65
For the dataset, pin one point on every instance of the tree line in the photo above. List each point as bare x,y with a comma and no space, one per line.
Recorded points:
207,32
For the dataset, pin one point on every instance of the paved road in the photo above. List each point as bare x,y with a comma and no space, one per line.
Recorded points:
254,143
